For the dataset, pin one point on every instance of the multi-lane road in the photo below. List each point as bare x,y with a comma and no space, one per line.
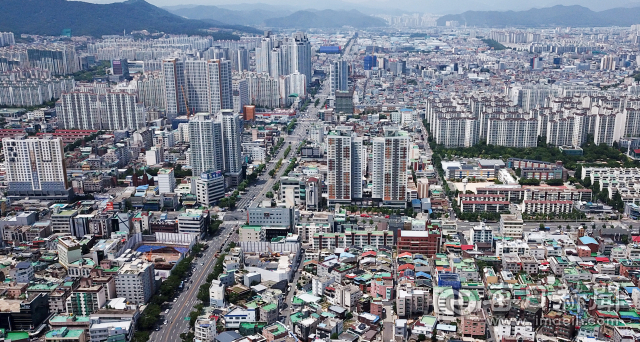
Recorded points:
256,192
174,322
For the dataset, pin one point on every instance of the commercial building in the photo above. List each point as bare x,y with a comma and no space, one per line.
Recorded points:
511,226
193,221
166,180
35,167
135,281
210,187
274,217
69,250
344,102
251,233
425,242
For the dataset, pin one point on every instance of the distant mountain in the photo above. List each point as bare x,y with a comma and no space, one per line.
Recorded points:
255,16
325,19
576,16
50,17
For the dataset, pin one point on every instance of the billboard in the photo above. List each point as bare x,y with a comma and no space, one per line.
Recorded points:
211,175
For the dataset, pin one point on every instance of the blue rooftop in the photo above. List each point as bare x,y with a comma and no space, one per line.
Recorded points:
587,240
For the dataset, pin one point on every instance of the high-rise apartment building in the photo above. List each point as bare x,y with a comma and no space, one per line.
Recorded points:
7,38
220,85
263,90
301,55
281,57
35,168
339,76
262,53
150,87
121,111
240,94
59,59
232,144
80,110
344,165
241,59
197,85
174,87
205,136
208,85
114,110
390,161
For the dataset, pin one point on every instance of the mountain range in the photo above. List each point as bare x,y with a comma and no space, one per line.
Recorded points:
253,16
576,16
279,18
50,17
397,7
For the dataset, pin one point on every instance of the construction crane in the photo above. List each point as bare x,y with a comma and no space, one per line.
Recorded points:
184,96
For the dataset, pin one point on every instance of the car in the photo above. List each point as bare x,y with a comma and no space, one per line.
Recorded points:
386,216
166,311
157,328
364,215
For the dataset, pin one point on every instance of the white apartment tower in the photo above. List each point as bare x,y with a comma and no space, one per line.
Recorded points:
232,144
80,110
150,90
344,165
196,77
220,85
175,87
301,55
35,167
121,111
390,161
240,94
205,136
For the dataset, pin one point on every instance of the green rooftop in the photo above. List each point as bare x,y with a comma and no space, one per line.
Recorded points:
269,307
65,318
17,335
64,333
43,287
